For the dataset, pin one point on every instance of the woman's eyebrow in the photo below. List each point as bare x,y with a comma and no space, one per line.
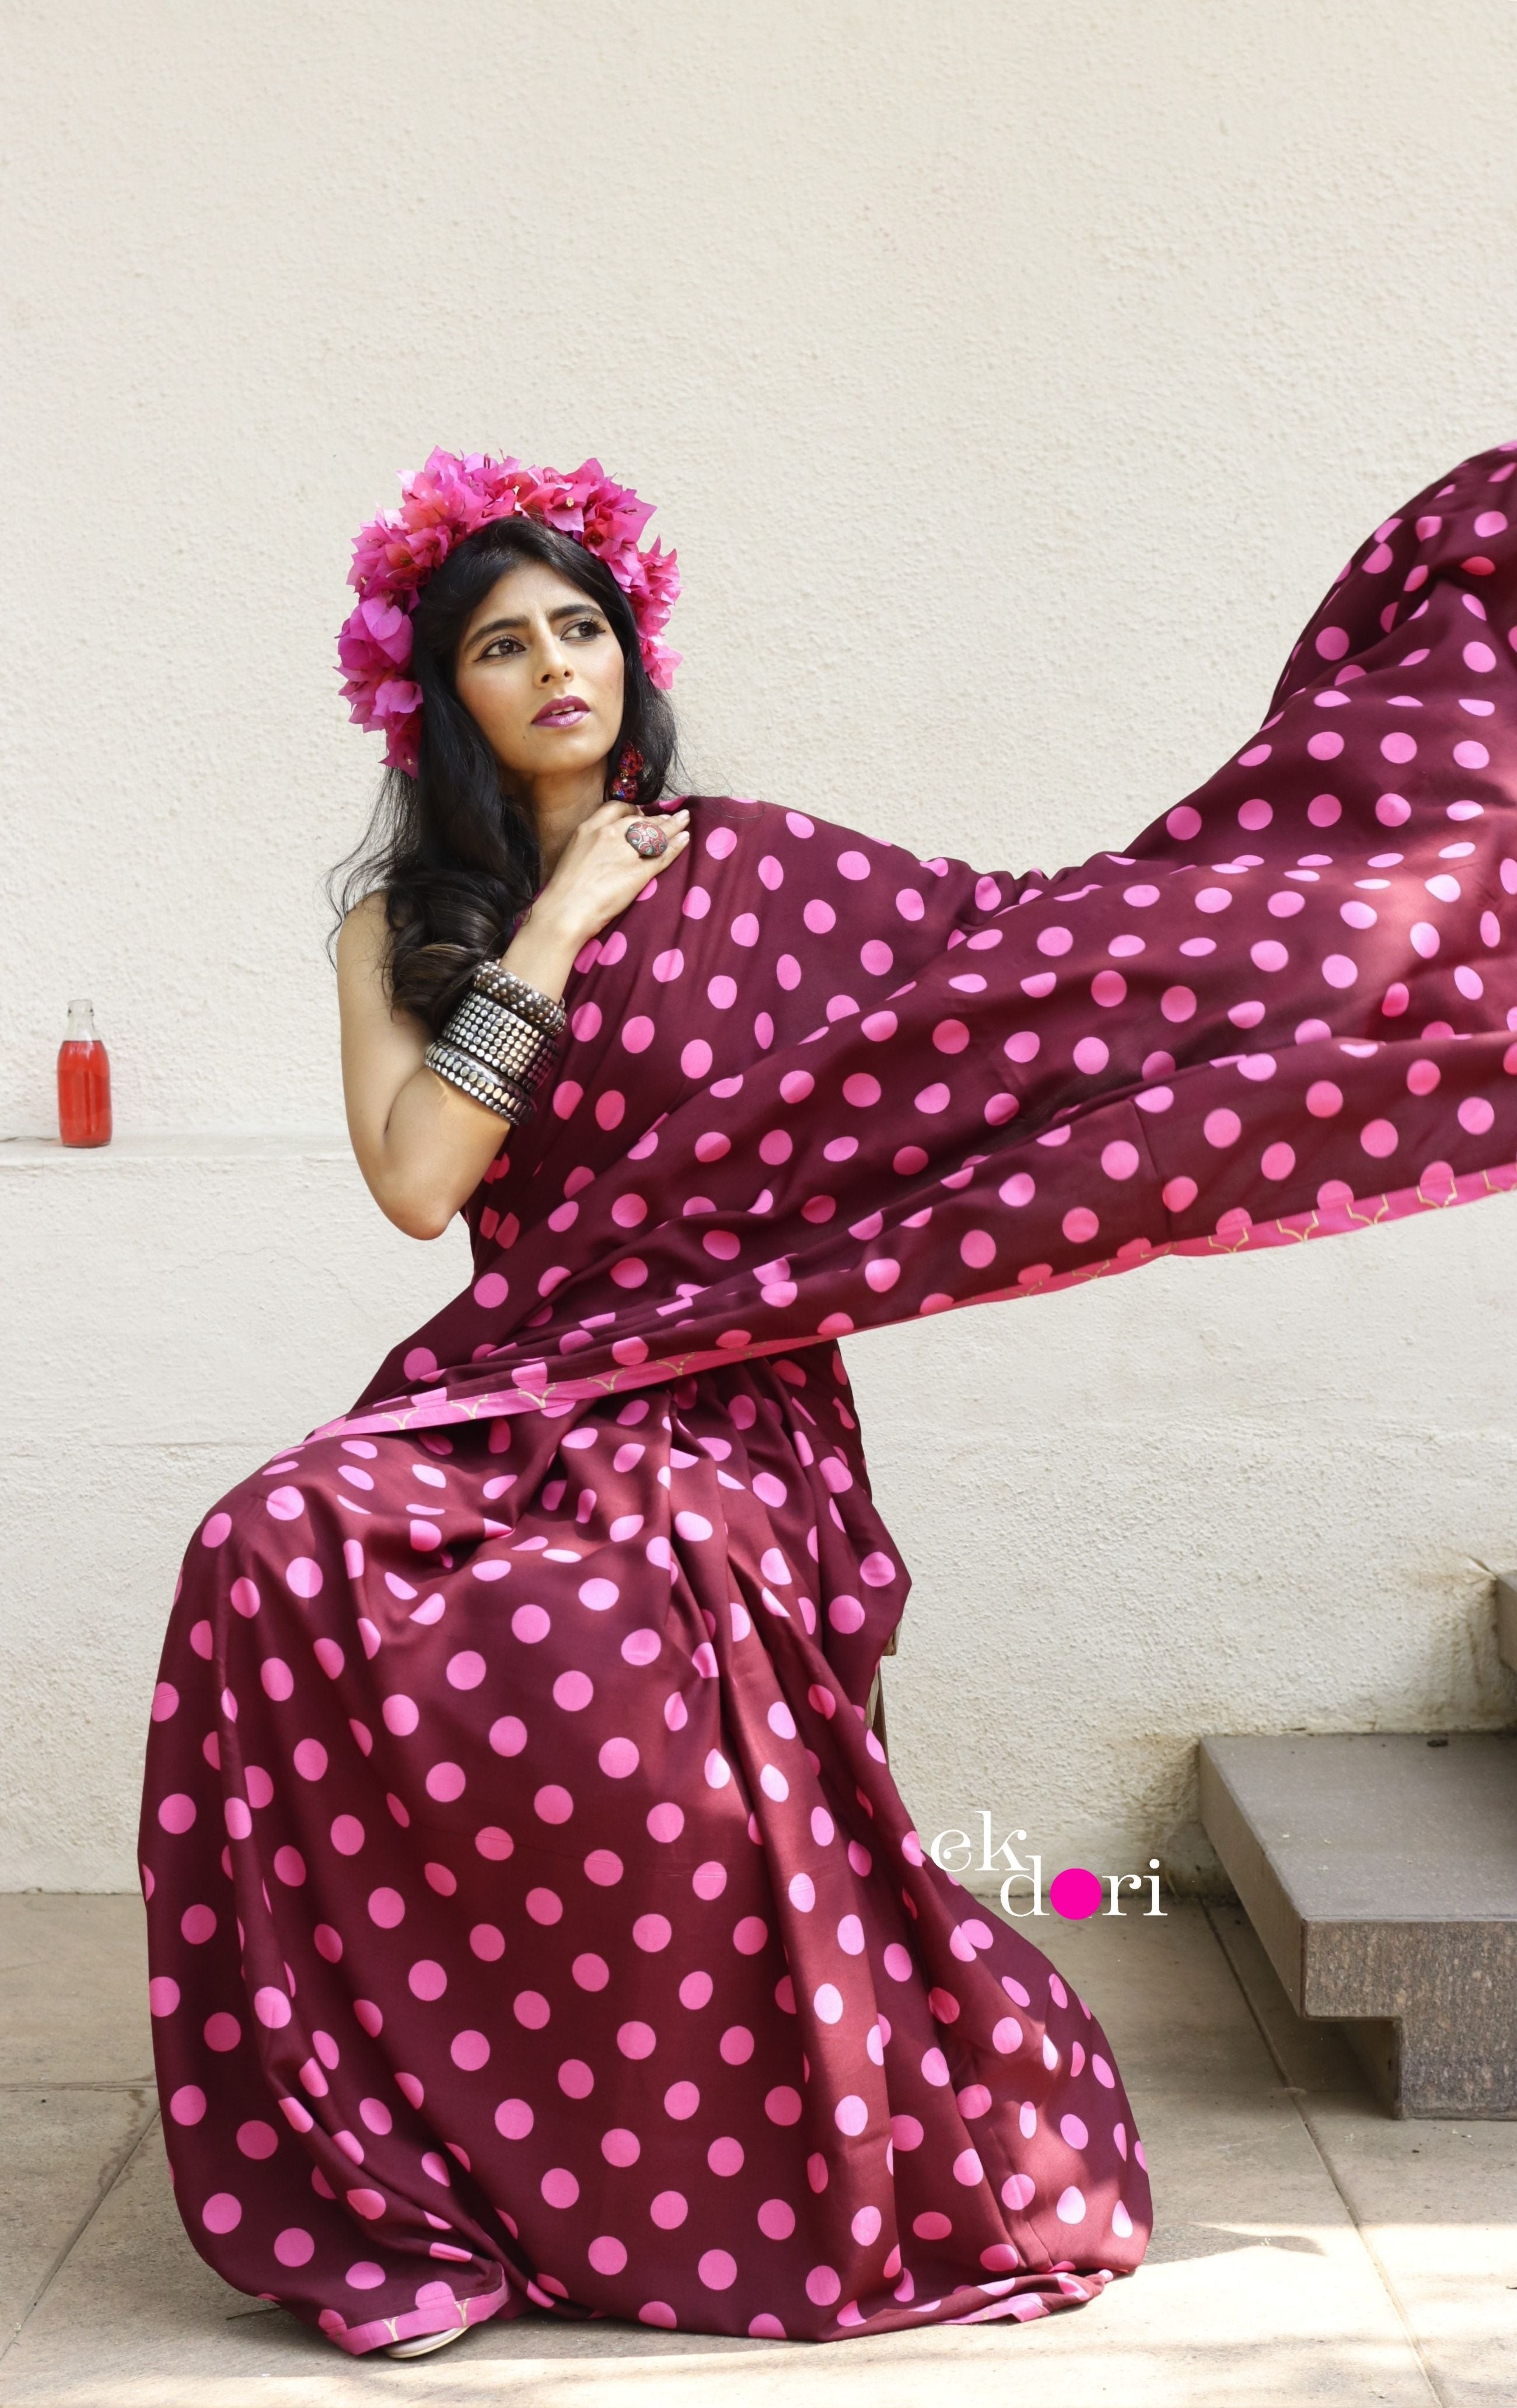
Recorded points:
569,611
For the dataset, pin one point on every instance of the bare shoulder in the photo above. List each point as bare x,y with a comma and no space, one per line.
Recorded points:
363,938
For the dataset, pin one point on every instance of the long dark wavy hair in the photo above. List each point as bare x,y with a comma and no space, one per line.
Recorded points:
454,853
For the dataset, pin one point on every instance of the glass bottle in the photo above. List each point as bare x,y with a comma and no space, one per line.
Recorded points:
83,1081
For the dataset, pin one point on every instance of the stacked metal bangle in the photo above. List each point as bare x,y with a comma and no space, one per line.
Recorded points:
499,1045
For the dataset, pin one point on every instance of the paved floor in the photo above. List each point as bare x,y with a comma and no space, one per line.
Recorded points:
1308,2250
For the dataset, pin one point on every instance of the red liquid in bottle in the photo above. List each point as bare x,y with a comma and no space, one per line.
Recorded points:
83,1081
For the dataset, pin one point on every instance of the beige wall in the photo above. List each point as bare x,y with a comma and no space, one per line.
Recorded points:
1012,380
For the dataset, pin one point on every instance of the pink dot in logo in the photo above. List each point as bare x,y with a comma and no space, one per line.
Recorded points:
1075,1894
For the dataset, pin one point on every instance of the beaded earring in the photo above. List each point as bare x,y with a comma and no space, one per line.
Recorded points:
628,770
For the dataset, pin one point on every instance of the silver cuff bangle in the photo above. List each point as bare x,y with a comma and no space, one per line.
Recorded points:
528,1002
473,1079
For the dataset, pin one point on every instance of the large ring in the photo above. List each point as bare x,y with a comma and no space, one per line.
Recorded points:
647,839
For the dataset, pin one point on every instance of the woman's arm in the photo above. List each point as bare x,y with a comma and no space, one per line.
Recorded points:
420,1144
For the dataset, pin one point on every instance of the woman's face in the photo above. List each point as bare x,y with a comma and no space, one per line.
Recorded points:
541,673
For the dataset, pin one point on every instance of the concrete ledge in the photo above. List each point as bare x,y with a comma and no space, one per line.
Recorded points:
176,1145
1381,1874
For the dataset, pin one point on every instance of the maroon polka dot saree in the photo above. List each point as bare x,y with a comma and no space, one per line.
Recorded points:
534,1919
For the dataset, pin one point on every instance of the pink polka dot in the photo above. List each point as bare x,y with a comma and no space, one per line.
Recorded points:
466,1670
1222,1128
553,1803
1178,1003
176,1812
303,1577
221,2213
469,2051
776,2219
1081,1226
1476,1115
272,2008
1379,1137
1339,970
668,2210
530,1623
1277,1161
1323,1099
1184,821
386,1908
364,2275
445,1781
1332,643
216,1532
607,2254
1327,744
1178,1194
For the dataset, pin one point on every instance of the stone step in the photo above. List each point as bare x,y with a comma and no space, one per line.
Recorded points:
1506,1619
1380,1872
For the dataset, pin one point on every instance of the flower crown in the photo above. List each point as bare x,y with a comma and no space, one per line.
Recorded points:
443,503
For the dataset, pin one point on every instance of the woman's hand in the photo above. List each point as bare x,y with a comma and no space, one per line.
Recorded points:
598,873
422,1145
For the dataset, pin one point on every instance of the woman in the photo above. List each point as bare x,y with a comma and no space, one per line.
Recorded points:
534,1919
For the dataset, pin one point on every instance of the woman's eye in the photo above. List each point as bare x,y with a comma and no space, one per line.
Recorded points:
588,627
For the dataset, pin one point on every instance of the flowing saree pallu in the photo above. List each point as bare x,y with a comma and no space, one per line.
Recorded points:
534,1919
